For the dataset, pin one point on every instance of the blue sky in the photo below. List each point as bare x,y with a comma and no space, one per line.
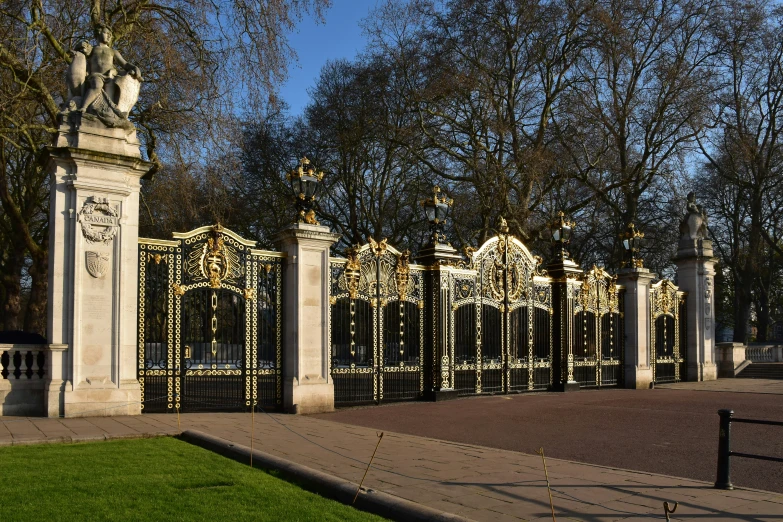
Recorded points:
315,44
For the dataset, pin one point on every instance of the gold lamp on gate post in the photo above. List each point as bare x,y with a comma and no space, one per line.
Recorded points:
437,209
561,234
305,183
632,240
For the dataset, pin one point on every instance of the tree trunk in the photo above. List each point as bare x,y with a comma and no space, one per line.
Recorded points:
742,302
10,279
35,314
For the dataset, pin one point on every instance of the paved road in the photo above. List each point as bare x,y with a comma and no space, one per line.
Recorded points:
667,431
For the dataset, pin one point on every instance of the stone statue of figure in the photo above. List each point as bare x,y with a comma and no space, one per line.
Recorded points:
694,224
94,85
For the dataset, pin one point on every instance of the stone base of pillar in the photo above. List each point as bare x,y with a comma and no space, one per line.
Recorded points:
54,399
703,372
637,378
99,399
102,400
446,394
310,396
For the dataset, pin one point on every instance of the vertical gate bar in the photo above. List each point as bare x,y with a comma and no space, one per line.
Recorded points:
249,344
420,312
141,361
504,321
676,347
447,289
377,333
477,303
600,291
175,317
653,333
531,331
278,268
569,304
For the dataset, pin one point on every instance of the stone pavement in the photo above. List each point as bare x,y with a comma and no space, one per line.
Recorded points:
773,386
474,481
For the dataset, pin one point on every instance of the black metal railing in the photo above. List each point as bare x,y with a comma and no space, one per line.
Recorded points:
723,480
15,363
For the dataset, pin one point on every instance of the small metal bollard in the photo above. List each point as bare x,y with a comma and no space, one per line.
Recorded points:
723,480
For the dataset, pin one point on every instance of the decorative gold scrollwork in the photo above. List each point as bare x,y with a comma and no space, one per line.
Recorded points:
178,289
584,294
353,272
664,301
155,257
378,248
613,302
249,293
402,274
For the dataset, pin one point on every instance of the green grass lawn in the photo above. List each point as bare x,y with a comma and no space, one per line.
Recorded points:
149,479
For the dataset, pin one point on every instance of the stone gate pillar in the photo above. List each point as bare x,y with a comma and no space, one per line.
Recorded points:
93,276
696,275
307,385
636,317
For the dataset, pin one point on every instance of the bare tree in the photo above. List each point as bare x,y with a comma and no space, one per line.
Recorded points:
743,149
199,59
639,104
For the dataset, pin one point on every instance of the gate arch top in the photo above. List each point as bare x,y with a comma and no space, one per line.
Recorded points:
597,294
377,270
665,299
505,262
215,228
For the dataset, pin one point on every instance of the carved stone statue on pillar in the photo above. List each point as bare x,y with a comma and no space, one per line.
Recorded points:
96,167
103,88
695,275
96,88
694,224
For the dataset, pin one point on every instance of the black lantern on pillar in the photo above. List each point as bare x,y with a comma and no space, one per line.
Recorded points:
632,242
561,234
437,208
305,183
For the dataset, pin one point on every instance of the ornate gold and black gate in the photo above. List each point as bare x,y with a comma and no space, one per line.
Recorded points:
667,314
501,321
597,335
376,325
209,323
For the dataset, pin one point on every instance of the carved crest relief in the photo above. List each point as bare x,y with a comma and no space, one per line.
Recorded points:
99,220
97,264
214,261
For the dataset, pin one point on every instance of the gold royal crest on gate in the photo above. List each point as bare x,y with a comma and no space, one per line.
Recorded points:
214,261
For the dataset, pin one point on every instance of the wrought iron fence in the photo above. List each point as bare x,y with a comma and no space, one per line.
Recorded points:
668,332
501,321
598,334
209,323
496,310
376,325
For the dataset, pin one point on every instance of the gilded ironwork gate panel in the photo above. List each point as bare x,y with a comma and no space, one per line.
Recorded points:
209,323
597,337
667,308
157,262
501,320
376,325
